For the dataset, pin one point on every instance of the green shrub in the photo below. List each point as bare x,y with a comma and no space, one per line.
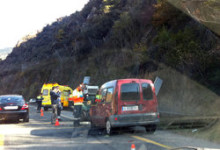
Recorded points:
125,31
182,50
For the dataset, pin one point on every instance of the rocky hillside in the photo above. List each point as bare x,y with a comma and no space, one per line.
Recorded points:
112,39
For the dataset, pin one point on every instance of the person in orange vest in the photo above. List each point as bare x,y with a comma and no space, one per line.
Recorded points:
78,102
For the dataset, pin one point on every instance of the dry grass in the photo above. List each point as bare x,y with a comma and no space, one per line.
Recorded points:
181,94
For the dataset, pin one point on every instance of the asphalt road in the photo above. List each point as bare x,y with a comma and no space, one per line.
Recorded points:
40,134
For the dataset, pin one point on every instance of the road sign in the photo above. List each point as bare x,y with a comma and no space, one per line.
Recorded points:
86,80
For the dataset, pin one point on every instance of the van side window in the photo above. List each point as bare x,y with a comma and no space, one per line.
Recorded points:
147,91
109,95
103,93
130,92
45,92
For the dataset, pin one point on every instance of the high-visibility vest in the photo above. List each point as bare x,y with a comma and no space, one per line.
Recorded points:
40,98
77,97
98,96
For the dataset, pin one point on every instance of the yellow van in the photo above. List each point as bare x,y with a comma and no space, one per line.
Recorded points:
65,92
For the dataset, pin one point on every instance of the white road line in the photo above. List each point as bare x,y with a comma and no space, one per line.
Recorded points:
64,116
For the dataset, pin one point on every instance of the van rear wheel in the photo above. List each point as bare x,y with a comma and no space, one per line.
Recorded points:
150,128
45,108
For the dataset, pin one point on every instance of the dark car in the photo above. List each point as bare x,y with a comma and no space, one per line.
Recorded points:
126,103
13,107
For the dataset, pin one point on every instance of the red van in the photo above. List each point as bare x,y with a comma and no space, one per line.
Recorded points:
126,103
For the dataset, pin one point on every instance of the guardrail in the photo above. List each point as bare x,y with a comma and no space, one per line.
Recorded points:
173,120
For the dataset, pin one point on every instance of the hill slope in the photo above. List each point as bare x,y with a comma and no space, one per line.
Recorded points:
112,39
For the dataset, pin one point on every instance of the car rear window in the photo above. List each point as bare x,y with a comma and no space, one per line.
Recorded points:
130,91
16,100
147,91
45,92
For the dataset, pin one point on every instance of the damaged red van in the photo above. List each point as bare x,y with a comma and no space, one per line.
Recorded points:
126,103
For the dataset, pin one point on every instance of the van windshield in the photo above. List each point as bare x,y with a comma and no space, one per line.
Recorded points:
130,91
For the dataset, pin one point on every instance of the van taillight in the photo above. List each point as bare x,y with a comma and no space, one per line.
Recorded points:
116,118
25,106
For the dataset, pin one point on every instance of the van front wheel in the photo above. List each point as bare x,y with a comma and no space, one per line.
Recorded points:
108,127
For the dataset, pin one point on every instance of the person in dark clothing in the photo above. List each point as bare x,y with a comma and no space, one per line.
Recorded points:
39,102
55,94
59,109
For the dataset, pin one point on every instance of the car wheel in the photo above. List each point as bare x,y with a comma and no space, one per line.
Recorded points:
16,120
45,108
26,118
150,129
108,127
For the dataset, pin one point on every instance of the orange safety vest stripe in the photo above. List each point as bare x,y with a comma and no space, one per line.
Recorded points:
78,100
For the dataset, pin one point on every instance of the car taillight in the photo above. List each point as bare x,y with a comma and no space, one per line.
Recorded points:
0,108
25,106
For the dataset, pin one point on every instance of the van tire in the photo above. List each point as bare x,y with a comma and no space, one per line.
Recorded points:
45,108
150,129
108,128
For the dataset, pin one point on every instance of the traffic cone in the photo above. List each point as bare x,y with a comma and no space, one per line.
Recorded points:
41,112
132,147
57,123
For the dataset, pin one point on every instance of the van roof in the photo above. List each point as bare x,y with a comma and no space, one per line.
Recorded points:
134,79
50,84
113,82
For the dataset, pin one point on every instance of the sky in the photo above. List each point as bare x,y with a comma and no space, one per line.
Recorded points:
19,18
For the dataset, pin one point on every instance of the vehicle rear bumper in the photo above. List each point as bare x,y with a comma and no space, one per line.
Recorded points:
127,120
13,114
47,105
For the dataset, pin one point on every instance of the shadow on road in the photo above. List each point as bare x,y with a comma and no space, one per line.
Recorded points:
10,121
56,133
119,131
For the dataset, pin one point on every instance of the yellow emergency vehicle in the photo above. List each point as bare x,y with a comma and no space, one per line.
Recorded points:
65,92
